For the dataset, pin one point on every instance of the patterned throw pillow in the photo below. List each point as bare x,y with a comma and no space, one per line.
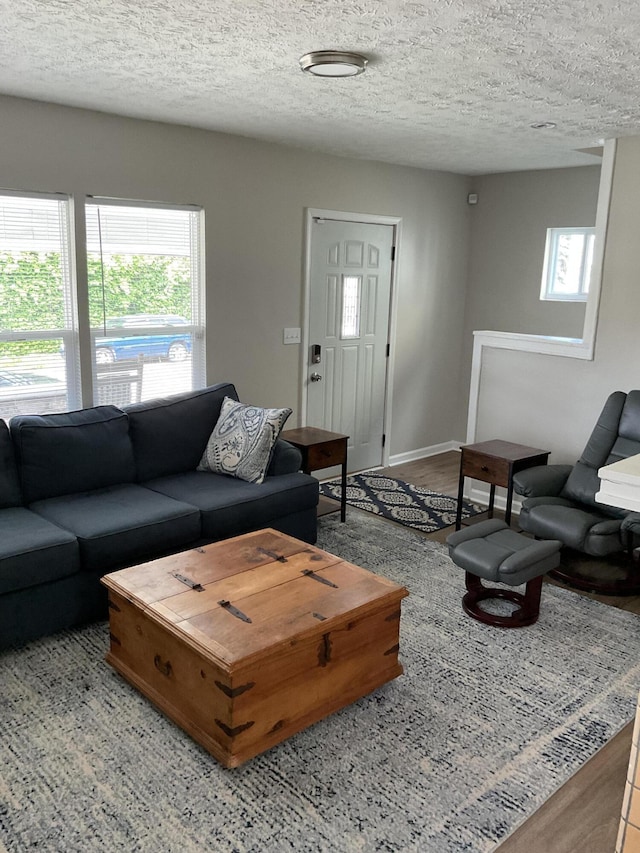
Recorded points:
242,441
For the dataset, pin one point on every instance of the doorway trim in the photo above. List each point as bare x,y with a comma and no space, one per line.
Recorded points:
312,213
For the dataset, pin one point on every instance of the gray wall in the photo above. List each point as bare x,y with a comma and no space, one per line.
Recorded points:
506,254
509,229
553,402
254,195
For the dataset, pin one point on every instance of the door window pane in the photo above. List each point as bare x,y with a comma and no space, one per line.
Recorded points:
351,295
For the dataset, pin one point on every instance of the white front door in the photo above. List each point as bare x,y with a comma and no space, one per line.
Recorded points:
349,302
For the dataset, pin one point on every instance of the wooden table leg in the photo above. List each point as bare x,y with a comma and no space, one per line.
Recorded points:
507,514
343,496
492,497
460,494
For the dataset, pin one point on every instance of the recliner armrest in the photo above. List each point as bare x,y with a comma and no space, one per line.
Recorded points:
541,480
286,459
631,524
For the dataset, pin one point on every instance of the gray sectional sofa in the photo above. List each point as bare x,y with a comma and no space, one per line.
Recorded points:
88,492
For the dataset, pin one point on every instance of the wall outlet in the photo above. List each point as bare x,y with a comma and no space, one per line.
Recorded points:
291,336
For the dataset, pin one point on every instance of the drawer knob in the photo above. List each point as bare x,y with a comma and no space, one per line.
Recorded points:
484,467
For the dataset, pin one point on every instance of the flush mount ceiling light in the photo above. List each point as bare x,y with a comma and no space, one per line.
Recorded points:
333,63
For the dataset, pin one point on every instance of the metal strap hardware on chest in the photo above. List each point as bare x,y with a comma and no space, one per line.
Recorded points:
234,610
237,730
190,583
232,692
311,574
279,557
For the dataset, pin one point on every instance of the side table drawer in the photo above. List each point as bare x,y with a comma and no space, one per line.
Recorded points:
486,468
327,454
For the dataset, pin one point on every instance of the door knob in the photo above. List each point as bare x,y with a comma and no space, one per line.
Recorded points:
315,377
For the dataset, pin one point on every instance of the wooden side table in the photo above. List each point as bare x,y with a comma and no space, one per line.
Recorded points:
321,449
496,462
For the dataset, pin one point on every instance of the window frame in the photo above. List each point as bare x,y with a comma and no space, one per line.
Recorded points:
550,262
68,334
197,327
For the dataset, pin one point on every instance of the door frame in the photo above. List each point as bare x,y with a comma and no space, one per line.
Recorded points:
395,222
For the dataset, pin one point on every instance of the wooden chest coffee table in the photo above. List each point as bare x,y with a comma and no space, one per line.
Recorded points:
245,642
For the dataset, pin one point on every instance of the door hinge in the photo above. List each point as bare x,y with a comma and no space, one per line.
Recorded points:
388,350
384,439
393,253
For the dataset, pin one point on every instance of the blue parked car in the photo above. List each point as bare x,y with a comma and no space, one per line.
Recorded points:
170,343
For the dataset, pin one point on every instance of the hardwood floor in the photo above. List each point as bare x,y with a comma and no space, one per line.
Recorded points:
583,815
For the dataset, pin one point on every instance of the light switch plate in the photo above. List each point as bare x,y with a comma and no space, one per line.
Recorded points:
291,336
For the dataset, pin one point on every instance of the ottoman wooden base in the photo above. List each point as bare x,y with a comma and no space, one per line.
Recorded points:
245,642
526,614
491,550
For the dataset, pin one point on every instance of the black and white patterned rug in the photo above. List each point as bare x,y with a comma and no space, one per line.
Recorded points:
413,506
484,725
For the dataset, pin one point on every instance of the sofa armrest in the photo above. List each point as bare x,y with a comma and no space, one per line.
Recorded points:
286,459
541,480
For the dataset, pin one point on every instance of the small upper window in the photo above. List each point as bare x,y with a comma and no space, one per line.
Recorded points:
567,264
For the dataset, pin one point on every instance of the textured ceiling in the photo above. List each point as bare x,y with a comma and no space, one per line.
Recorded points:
452,84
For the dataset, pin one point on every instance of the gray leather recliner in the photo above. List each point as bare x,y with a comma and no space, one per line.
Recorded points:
560,499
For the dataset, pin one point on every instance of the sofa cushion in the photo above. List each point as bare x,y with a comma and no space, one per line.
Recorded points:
72,452
33,551
169,434
285,459
230,507
123,524
9,483
242,441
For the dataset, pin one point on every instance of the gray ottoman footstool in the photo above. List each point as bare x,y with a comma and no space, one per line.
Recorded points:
493,551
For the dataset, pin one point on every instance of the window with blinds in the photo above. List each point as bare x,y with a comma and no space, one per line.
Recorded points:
568,259
39,370
146,299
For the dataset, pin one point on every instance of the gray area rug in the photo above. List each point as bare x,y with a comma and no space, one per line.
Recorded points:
413,506
452,756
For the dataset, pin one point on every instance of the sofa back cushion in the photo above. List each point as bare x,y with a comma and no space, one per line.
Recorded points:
169,435
72,452
9,483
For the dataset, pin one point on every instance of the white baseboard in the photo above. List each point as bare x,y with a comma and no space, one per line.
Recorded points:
478,493
423,452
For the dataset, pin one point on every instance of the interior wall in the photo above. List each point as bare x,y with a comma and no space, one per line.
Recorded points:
553,402
254,195
508,236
